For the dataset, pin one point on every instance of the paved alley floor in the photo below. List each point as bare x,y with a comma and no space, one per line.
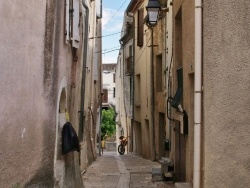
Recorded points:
126,171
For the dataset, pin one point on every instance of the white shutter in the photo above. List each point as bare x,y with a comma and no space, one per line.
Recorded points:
98,9
67,38
76,24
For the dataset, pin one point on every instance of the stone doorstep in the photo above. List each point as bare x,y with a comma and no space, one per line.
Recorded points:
182,185
156,171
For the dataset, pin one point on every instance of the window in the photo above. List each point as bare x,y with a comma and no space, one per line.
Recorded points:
114,78
98,9
178,95
138,90
76,24
72,22
130,50
129,63
66,32
128,66
114,92
159,73
140,27
131,90
105,96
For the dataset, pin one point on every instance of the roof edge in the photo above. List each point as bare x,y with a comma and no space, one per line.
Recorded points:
133,5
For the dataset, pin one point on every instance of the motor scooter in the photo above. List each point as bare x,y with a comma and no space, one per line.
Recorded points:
123,143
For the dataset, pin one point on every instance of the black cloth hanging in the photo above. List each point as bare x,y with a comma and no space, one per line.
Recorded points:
70,140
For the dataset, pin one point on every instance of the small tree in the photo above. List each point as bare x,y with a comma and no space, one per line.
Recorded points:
108,123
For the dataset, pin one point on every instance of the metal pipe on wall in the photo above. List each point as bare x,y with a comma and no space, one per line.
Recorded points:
100,75
152,90
133,86
84,59
197,94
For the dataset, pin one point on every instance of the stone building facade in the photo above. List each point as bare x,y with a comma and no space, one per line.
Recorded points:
191,85
44,55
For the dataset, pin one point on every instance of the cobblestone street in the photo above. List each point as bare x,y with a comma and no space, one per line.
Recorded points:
127,171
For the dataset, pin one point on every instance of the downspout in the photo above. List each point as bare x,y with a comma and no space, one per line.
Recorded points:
84,59
133,86
100,75
99,132
152,90
197,94
92,104
124,93
123,90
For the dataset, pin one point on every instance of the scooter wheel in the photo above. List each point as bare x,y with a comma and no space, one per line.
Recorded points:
121,149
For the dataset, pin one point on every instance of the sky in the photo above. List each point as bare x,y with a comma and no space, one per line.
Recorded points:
112,19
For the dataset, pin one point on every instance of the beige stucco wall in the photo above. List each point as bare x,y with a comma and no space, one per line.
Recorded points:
159,96
226,93
184,57
188,81
143,98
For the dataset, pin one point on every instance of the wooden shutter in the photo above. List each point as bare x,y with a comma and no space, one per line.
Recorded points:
140,27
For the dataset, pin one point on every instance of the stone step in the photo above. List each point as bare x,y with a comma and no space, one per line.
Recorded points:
182,185
167,165
157,175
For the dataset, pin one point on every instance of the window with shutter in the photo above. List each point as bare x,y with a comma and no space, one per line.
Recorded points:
114,92
176,100
114,78
67,38
159,73
128,66
76,24
98,9
105,96
140,27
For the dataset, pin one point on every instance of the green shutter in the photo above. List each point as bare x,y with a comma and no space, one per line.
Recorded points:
179,93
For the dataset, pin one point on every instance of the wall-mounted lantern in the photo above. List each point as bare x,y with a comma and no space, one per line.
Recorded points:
153,9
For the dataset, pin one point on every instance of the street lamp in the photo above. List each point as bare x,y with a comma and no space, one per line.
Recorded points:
153,9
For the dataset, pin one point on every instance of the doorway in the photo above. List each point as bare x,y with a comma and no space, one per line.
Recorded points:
180,154
161,134
138,138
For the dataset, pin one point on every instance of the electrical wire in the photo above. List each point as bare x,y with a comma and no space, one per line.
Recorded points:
142,51
116,12
110,34
104,35
105,51
111,48
110,51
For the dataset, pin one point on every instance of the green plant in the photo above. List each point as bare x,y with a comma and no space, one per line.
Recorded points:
108,123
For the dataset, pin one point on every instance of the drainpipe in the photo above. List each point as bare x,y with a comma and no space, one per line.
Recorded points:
197,94
152,90
133,85
84,61
100,75
123,90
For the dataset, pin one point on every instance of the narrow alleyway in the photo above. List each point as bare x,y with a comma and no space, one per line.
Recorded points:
127,171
